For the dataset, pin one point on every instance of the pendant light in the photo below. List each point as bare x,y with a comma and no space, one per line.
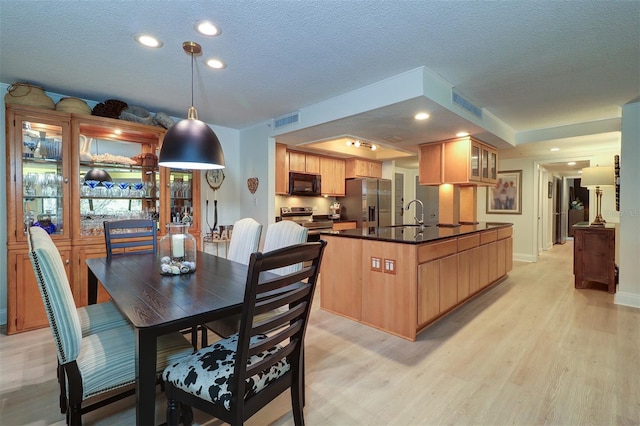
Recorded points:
190,143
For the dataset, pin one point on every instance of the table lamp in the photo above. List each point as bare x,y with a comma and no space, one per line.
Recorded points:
597,177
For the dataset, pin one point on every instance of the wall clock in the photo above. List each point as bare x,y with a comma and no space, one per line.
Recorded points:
215,178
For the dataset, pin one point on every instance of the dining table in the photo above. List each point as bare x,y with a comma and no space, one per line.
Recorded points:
157,304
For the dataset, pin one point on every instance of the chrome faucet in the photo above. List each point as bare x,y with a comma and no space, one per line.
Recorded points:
421,221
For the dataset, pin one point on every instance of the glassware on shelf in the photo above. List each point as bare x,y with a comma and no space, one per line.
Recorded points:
150,192
93,184
138,188
30,181
177,250
108,185
124,189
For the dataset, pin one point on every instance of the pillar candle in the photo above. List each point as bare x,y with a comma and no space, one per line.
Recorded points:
177,246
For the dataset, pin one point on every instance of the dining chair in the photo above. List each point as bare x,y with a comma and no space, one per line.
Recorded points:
237,376
280,234
96,363
244,241
130,236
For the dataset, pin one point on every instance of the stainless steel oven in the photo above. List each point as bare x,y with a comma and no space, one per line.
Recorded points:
304,216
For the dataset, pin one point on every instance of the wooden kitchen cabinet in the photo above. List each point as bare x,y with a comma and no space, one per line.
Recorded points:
430,164
304,163
282,170
463,160
359,167
341,226
48,155
342,258
594,255
387,291
332,172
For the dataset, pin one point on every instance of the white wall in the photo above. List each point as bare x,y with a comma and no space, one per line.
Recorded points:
629,230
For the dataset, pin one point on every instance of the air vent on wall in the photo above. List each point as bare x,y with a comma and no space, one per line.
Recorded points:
286,120
465,104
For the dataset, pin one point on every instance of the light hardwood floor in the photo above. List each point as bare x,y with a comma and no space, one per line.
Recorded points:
531,350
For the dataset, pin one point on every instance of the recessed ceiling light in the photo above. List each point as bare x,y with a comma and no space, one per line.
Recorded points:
373,147
148,41
571,163
554,149
462,134
207,28
215,64
421,116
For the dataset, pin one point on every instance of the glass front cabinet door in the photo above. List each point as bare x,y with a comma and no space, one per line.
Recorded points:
116,174
39,173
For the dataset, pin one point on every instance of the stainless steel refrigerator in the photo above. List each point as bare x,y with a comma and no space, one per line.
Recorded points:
367,201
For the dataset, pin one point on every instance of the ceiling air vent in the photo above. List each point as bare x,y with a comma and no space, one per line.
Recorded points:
286,120
465,104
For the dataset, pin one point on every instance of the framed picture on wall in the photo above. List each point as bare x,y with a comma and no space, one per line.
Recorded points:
505,197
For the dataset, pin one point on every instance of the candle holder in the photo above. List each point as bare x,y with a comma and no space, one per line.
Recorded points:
177,250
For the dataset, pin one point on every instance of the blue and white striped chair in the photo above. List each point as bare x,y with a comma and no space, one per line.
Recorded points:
97,363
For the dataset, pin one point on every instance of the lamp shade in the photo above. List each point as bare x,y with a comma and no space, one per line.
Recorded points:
191,144
597,176
98,174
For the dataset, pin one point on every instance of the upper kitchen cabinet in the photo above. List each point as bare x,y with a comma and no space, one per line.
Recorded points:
282,169
332,171
462,160
304,163
358,167
38,172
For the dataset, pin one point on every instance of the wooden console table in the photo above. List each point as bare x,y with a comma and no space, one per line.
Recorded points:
594,255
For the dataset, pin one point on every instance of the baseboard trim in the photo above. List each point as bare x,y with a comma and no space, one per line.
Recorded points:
627,299
3,317
531,258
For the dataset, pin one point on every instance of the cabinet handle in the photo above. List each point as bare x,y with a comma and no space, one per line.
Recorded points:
66,262
66,180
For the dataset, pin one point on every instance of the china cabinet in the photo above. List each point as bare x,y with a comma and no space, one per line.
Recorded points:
68,174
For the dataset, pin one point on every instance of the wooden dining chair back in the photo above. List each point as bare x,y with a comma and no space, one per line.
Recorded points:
130,236
244,240
97,363
237,376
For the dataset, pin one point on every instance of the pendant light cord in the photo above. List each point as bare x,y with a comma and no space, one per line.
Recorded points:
191,79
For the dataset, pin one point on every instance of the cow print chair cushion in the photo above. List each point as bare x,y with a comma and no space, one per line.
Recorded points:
206,373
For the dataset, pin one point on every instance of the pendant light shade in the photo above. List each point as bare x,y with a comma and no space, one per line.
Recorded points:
191,143
98,174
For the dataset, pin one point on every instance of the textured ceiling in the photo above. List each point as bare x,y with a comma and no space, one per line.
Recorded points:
532,64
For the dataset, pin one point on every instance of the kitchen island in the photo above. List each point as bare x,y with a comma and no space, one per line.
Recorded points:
401,279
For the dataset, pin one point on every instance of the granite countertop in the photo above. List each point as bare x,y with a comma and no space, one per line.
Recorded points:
410,234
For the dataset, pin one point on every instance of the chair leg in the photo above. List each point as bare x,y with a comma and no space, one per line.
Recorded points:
205,337
63,388
173,415
74,415
187,414
194,337
297,399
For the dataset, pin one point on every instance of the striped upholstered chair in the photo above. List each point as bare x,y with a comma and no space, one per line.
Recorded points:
97,363
244,241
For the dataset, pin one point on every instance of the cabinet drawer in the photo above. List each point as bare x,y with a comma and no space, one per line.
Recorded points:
505,232
432,251
468,242
488,237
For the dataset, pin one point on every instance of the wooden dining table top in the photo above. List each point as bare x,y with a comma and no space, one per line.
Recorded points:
149,299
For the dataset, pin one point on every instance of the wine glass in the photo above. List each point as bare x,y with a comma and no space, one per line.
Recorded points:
92,185
138,188
124,188
149,191
108,185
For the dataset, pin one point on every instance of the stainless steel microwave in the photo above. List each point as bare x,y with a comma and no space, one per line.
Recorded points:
303,184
